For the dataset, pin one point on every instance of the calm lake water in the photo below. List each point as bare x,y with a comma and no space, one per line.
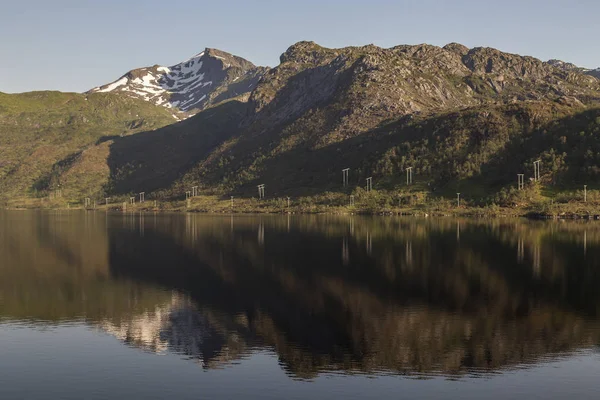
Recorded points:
155,306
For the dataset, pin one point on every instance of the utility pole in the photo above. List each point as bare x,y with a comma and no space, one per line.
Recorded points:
536,170
345,176
369,184
585,193
409,176
521,181
458,199
261,191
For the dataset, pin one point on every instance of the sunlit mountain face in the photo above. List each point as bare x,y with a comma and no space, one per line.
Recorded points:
325,294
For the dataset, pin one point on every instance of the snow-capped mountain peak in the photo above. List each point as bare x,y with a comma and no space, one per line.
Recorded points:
192,85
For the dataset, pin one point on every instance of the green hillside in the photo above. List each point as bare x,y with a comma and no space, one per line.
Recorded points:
46,136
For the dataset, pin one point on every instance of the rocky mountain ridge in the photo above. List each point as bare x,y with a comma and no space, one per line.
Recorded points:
413,79
318,99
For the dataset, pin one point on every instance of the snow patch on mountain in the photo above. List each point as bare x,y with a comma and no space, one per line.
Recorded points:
114,85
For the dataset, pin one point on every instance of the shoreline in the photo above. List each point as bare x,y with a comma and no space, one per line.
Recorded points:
314,205
464,212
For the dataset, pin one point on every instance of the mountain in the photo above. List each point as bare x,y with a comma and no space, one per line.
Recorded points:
594,72
567,66
449,112
572,67
195,84
467,119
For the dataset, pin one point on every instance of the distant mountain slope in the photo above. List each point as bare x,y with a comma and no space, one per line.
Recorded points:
572,67
205,79
594,72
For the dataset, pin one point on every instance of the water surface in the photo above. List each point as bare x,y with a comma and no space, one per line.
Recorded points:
155,306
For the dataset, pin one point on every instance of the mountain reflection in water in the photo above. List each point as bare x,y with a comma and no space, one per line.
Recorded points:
348,294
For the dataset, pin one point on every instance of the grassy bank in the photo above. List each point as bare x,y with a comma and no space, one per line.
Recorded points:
551,205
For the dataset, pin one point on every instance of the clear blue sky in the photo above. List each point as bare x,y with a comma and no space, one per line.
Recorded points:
74,45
